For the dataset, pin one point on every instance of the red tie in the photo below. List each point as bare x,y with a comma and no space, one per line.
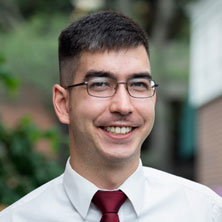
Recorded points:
109,203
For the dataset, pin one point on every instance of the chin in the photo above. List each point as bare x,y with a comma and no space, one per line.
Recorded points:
119,155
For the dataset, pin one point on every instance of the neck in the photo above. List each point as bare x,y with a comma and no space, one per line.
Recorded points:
107,175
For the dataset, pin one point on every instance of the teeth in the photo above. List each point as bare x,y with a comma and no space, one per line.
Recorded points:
118,130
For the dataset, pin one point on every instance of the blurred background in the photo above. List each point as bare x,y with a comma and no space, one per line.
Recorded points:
186,59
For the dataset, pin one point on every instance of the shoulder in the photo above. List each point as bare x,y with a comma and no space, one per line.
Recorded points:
191,189
36,198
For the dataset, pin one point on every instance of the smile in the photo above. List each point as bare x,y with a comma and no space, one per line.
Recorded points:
118,130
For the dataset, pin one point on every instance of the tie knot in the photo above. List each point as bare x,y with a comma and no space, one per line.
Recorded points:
109,201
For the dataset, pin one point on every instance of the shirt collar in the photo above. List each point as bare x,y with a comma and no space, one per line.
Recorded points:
80,191
134,188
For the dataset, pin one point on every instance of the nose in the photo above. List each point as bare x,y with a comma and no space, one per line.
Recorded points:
121,102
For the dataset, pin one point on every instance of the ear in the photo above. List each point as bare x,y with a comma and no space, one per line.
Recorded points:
154,98
61,103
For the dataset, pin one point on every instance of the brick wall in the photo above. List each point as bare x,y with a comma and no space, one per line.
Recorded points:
209,153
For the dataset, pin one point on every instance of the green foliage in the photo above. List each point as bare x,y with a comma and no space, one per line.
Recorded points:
174,60
22,169
28,8
11,83
31,51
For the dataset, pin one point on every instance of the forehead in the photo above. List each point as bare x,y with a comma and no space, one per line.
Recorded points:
121,63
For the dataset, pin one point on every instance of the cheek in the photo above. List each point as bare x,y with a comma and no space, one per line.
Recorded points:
146,111
88,110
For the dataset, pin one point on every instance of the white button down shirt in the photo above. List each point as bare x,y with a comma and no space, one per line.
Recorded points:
153,196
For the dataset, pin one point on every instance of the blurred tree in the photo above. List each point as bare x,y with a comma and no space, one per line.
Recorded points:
31,52
22,168
163,19
10,83
13,12
29,8
163,23
10,15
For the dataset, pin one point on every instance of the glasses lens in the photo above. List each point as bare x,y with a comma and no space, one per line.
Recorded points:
106,87
141,87
101,87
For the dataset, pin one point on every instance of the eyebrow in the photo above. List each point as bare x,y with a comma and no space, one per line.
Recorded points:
146,75
94,73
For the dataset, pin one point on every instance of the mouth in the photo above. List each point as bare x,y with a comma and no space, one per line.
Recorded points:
119,130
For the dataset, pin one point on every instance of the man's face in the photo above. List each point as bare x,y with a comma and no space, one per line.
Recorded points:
110,129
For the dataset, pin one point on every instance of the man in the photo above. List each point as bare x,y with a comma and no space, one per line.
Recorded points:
107,98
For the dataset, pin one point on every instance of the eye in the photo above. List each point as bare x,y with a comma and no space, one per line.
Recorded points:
99,84
139,84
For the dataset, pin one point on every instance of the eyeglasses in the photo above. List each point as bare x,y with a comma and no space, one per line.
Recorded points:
104,87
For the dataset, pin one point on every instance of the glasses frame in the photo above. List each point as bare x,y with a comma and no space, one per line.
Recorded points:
116,88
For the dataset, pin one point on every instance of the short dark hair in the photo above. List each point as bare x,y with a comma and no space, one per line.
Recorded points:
105,30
